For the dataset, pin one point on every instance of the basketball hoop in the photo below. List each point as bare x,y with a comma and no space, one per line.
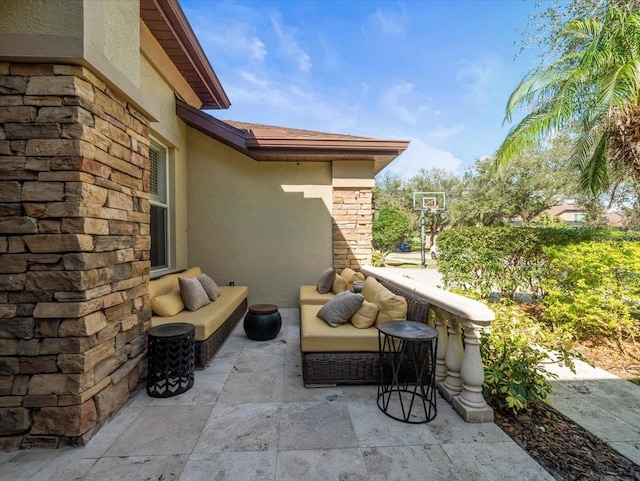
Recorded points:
432,208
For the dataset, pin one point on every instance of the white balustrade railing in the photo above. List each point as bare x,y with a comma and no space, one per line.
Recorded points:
459,321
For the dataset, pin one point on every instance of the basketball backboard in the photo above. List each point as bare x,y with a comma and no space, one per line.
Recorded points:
429,201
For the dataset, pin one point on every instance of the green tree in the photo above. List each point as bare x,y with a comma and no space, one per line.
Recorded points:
525,190
545,24
592,89
389,229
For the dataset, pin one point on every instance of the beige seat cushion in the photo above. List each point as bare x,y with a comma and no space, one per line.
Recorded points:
309,295
209,318
390,306
318,336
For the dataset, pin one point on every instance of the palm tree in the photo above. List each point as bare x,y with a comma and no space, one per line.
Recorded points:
592,90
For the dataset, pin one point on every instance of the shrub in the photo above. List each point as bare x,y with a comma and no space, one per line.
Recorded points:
592,289
515,352
377,258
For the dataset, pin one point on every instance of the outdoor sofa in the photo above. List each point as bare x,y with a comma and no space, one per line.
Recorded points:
213,322
347,354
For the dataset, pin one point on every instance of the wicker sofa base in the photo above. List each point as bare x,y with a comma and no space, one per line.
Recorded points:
205,350
344,368
340,368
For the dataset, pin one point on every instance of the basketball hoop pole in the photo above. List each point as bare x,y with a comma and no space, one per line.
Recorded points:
423,257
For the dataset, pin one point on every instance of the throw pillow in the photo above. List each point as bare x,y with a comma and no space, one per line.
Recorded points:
339,310
350,275
390,306
167,305
365,317
210,286
193,294
339,284
326,280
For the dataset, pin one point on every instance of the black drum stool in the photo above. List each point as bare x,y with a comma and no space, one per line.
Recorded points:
262,322
172,360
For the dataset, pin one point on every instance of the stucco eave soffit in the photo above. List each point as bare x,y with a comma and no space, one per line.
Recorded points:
168,24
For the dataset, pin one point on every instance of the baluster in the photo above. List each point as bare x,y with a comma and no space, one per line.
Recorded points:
452,385
441,327
470,404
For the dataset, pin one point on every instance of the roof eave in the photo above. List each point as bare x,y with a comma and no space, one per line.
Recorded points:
201,76
317,149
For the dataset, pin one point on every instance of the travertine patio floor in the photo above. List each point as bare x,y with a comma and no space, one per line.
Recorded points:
249,417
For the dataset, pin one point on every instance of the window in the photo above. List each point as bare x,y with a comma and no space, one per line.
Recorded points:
159,207
579,216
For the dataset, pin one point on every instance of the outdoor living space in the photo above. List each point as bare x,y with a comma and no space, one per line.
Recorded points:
249,417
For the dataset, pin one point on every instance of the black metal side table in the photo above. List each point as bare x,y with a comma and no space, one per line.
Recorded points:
172,359
406,391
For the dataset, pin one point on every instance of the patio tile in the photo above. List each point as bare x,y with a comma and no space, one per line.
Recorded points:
62,468
206,390
448,425
240,427
222,362
253,387
321,465
263,356
631,450
324,425
408,462
374,428
244,466
25,464
164,467
107,435
161,430
608,426
493,461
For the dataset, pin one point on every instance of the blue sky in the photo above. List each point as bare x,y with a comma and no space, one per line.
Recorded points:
437,73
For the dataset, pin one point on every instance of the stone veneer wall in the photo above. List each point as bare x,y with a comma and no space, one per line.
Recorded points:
352,218
74,253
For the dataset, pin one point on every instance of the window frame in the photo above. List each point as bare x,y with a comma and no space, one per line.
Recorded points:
157,200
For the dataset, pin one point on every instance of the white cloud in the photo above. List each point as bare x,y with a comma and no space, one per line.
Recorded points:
421,155
403,102
290,45
389,22
441,133
234,38
476,76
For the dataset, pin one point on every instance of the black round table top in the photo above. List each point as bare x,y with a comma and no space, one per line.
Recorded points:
172,330
410,330
263,308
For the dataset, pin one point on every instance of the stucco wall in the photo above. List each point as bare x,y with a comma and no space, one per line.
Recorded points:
172,133
61,18
261,224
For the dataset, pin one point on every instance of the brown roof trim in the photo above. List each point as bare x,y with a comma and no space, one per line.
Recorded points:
269,143
211,126
170,27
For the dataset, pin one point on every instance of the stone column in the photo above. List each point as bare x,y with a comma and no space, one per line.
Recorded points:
352,219
74,253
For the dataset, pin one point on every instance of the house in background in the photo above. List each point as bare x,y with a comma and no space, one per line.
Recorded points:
575,215
110,173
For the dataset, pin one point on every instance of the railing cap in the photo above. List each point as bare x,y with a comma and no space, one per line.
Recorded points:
461,306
